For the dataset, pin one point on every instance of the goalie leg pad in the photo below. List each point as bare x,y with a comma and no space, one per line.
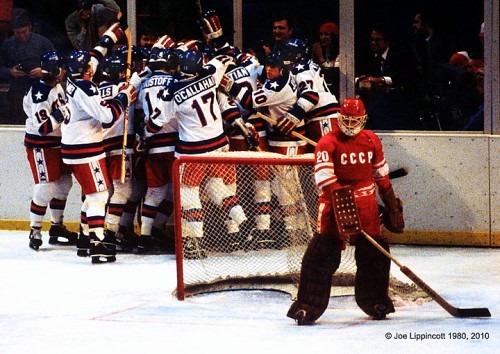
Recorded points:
320,261
372,278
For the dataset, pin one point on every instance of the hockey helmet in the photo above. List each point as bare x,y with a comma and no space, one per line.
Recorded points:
51,63
352,117
295,50
113,67
77,62
165,59
190,62
275,59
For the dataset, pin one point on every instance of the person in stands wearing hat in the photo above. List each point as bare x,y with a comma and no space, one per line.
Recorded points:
20,62
461,60
326,50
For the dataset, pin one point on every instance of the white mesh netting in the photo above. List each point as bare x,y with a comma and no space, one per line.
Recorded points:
248,227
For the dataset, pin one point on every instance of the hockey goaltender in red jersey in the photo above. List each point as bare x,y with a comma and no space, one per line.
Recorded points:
349,155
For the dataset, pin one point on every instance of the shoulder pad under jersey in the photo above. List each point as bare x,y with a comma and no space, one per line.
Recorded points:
89,87
40,92
277,84
300,67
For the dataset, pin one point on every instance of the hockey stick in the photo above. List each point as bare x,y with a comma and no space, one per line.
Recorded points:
123,171
294,133
347,218
239,122
400,172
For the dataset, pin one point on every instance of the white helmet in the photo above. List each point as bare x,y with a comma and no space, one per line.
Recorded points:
352,117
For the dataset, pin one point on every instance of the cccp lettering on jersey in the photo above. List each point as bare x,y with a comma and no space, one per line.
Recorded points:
193,89
355,158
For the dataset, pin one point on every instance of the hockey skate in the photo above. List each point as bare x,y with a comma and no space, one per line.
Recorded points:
125,241
145,244
60,235
35,239
110,240
82,245
99,252
262,239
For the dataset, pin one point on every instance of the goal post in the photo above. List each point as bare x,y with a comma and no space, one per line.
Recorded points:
243,220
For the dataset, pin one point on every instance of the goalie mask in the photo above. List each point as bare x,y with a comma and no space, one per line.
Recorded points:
51,63
352,117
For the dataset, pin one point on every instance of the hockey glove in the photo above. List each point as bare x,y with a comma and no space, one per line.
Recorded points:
286,124
61,113
164,42
249,133
127,95
226,83
112,35
211,25
392,216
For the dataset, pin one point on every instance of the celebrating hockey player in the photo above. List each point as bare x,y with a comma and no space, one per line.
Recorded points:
192,102
43,147
160,145
349,155
82,140
322,118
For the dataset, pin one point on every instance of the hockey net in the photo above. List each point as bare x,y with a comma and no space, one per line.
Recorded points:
268,250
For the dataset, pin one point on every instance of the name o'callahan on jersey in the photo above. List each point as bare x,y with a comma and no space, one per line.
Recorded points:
193,89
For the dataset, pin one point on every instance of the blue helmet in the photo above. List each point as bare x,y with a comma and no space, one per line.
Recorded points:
52,63
190,62
113,67
163,58
77,62
275,59
295,50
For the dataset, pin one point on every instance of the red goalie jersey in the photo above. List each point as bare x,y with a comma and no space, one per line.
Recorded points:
351,160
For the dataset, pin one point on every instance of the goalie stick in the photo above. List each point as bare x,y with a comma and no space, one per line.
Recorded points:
346,215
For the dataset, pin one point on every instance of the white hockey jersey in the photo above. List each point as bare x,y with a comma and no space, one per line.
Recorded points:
193,102
42,130
113,135
163,138
308,75
82,133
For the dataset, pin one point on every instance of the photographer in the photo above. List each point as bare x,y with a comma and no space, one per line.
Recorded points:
20,62
90,20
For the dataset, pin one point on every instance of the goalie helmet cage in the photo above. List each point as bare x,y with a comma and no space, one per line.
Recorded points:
268,253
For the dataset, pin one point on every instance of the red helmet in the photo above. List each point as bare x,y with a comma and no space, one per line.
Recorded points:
352,118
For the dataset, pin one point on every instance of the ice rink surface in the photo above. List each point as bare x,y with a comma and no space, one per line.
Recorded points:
52,301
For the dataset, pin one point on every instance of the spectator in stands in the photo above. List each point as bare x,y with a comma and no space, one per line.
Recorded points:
282,31
461,60
326,50
325,53
476,120
147,36
88,22
383,82
20,62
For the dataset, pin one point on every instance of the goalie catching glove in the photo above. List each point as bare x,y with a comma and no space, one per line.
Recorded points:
211,25
287,123
392,216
